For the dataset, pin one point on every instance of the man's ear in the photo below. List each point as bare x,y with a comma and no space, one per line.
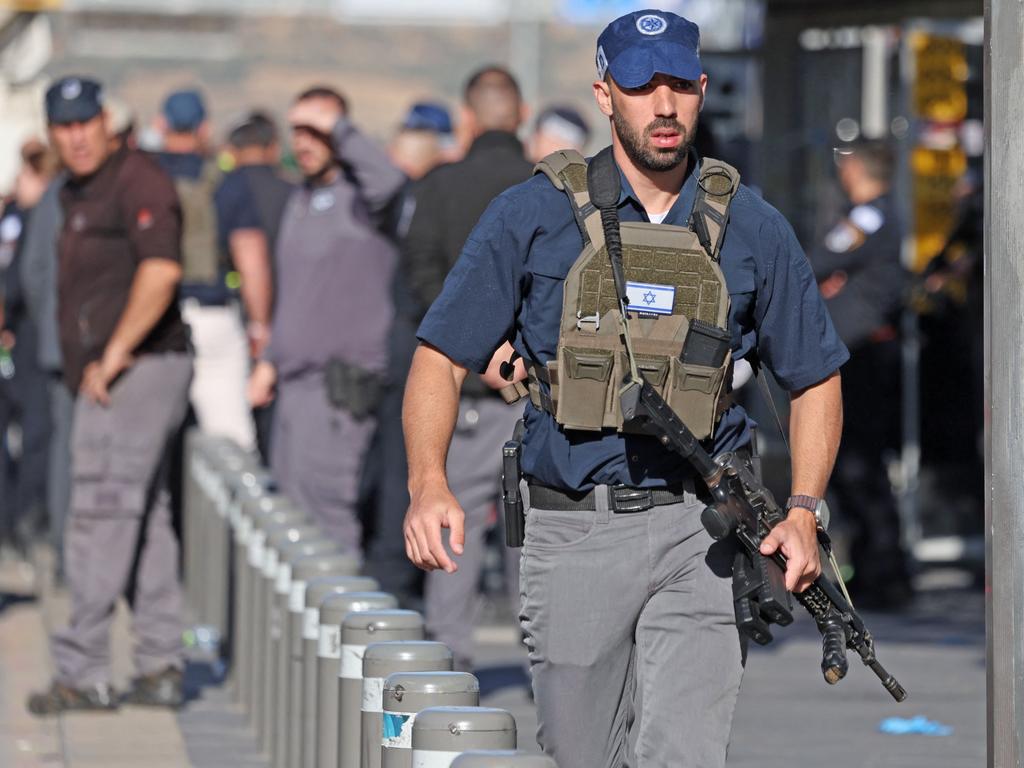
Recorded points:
603,96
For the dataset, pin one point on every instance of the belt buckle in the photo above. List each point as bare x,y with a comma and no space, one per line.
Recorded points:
624,499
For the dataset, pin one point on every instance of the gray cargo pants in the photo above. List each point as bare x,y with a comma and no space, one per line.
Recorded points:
634,651
474,477
317,456
118,539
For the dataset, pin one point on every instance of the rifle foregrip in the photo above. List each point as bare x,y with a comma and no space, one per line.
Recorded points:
834,664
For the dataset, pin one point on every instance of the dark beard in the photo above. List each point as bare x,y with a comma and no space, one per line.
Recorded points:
648,157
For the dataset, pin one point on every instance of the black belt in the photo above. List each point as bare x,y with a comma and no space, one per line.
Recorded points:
621,498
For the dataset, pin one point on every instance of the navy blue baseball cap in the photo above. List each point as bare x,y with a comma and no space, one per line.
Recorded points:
73,100
641,44
428,116
184,110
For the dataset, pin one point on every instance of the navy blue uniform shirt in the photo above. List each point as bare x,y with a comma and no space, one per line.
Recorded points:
236,208
508,283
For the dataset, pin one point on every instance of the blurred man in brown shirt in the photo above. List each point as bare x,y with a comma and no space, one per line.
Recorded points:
126,360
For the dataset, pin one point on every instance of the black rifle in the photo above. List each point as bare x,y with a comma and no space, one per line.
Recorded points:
740,504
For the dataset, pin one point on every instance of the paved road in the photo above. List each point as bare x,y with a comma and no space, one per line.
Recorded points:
787,716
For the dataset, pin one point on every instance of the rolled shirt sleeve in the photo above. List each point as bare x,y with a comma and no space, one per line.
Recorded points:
152,214
796,338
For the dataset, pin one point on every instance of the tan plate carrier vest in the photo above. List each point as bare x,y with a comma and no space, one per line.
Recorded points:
580,387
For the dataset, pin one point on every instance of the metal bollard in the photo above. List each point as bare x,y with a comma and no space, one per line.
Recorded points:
244,480
318,590
304,570
333,611
238,543
379,661
500,758
441,734
266,512
278,537
243,523
406,694
280,638
358,630
205,468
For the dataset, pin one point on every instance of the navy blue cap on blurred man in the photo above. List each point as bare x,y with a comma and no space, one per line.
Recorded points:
73,100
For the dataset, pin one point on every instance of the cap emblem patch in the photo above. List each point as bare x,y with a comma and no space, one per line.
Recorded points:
602,62
71,89
650,24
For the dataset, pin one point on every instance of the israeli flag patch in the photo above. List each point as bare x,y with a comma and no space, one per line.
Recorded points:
648,297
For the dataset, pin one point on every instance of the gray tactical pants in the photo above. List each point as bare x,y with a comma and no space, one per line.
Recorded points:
634,651
474,477
118,539
317,456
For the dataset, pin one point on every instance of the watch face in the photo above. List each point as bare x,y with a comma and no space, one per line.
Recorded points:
823,514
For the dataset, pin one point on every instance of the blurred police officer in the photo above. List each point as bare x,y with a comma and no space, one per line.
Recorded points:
863,282
422,140
39,279
558,127
254,194
448,203
329,337
125,357
626,604
208,302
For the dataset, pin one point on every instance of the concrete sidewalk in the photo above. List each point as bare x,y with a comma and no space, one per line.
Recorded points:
29,607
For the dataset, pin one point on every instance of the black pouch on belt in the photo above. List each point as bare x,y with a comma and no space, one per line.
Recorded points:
352,388
511,499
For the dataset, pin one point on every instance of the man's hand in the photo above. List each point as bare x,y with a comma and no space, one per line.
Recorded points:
492,376
261,384
319,114
797,538
97,377
429,511
832,285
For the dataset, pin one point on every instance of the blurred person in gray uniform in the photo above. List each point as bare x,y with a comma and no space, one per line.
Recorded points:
557,127
125,358
254,195
39,281
864,284
328,349
209,294
448,202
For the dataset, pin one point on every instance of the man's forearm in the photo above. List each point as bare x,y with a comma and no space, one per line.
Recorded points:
815,428
429,413
251,258
153,289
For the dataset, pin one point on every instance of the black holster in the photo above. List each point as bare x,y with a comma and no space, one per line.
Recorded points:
352,388
511,498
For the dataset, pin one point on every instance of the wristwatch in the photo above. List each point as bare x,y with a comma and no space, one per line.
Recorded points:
815,505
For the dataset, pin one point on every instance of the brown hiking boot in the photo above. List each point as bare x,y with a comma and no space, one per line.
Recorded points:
63,698
159,689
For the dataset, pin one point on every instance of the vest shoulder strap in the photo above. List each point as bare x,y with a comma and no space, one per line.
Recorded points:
566,169
717,184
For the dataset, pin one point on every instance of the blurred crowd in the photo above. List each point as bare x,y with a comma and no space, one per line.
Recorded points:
308,255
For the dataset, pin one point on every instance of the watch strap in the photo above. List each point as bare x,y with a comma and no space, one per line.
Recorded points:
804,502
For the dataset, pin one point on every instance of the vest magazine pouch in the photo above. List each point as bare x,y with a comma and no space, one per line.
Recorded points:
693,393
584,375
